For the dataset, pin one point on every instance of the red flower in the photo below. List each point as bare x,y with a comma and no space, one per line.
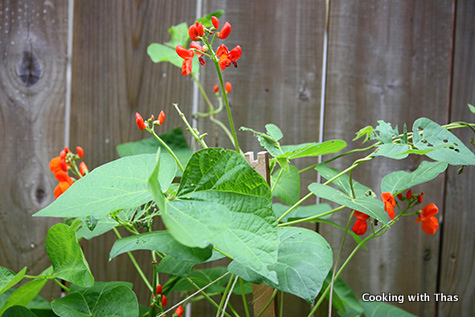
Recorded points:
164,300
215,88
430,224
139,121
62,176
228,87
360,225
196,31
54,164
409,194
215,21
187,56
80,151
161,118
60,189
226,58
198,52
159,289
83,169
225,30
389,204
179,311
420,198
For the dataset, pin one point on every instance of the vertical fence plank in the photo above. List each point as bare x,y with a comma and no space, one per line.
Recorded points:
389,60
113,78
33,39
457,255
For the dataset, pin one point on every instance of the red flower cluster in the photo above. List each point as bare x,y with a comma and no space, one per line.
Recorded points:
60,165
143,125
226,57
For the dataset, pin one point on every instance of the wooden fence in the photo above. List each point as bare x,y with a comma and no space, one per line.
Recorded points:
394,60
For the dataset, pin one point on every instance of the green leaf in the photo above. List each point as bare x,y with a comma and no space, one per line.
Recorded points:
471,107
224,202
399,181
179,35
349,231
312,149
24,294
395,151
447,147
120,184
274,132
206,20
103,299
301,211
344,300
288,187
364,132
383,310
66,256
103,225
171,265
304,260
342,182
384,132
9,279
160,241
266,141
173,138
162,53
368,205
18,311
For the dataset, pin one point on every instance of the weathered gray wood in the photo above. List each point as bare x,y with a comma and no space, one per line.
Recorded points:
457,260
33,39
389,60
113,77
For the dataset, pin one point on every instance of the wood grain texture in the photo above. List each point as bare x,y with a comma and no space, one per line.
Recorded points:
112,78
32,96
457,269
389,60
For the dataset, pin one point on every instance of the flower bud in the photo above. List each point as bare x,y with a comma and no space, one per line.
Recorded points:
228,87
409,194
80,151
224,31
139,121
161,118
215,21
215,88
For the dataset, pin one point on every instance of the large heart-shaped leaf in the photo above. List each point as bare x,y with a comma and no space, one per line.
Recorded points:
222,201
66,256
304,260
120,184
103,299
160,241
401,180
368,205
446,147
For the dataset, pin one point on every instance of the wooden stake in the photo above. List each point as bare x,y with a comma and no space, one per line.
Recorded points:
261,293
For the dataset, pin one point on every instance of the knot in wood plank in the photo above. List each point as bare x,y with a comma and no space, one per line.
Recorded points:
29,70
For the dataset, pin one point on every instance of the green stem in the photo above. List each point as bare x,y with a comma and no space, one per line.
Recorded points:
166,147
226,103
223,298
192,131
340,249
243,295
311,218
281,171
281,303
230,292
222,126
295,206
268,303
61,285
134,262
203,93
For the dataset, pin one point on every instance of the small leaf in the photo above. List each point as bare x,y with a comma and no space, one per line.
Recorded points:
447,147
395,151
162,53
288,186
471,107
160,241
312,149
364,132
368,205
66,256
120,184
102,299
9,279
179,35
273,131
399,181
24,294
384,132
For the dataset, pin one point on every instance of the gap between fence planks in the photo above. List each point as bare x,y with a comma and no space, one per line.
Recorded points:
261,293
